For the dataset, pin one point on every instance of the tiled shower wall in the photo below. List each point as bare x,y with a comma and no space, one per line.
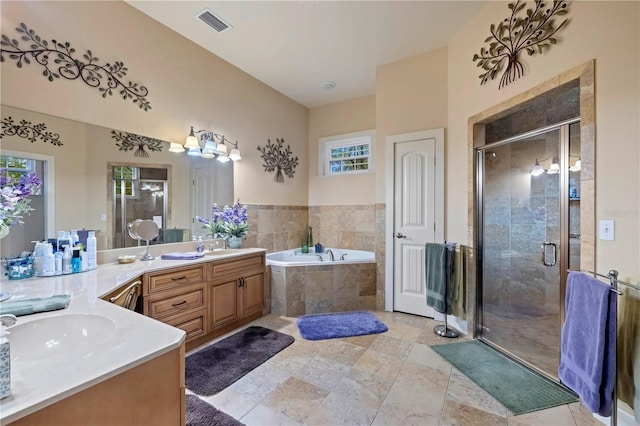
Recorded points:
360,227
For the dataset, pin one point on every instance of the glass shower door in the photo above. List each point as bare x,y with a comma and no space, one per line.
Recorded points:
520,248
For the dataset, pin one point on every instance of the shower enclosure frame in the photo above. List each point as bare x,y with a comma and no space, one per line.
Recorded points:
563,251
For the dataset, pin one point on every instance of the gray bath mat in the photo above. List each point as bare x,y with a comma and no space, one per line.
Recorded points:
215,367
200,413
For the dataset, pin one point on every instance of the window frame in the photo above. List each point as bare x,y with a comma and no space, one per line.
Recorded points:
327,144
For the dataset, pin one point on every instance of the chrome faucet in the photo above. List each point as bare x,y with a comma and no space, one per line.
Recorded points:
7,320
320,257
331,256
343,255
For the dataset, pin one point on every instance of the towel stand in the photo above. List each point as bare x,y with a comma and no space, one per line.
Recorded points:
612,276
444,331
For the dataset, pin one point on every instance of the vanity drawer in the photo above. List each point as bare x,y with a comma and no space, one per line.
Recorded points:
194,323
179,277
166,305
236,266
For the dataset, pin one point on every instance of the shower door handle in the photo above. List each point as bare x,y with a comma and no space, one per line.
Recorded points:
543,253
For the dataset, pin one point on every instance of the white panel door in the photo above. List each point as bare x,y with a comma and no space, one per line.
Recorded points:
202,192
414,222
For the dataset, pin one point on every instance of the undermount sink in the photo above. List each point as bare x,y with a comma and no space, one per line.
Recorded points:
72,336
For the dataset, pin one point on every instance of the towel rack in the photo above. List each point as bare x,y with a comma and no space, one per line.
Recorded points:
612,276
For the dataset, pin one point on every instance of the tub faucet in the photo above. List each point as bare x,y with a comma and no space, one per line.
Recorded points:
343,255
320,257
8,320
331,256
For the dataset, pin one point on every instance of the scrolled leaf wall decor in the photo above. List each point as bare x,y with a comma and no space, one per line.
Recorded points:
67,64
27,130
532,33
129,141
278,158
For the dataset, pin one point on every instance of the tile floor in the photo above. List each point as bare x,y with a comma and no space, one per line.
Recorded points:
392,378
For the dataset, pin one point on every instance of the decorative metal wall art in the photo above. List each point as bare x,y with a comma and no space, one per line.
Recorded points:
26,130
129,141
278,159
533,33
106,78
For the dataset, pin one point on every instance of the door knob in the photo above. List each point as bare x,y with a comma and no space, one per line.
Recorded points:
399,235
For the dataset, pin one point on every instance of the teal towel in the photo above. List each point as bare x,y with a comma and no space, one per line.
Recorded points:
33,306
436,277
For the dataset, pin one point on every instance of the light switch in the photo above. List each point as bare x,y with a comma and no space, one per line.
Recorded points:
607,230
103,217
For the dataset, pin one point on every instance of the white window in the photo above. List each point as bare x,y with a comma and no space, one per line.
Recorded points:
346,154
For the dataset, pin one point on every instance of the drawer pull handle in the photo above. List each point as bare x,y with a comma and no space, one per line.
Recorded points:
183,277
175,305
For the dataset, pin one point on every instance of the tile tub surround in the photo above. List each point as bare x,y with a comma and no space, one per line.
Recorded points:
300,290
345,226
276,228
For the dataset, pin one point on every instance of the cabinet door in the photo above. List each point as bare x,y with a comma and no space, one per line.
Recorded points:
223,303
252,294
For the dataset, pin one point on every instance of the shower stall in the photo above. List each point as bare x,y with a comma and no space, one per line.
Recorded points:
528,218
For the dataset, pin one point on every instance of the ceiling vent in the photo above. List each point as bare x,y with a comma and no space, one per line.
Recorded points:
215,22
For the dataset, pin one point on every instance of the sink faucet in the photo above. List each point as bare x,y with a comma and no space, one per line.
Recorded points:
331,256
8,320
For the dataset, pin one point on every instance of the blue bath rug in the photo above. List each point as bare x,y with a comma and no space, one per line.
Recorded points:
339,324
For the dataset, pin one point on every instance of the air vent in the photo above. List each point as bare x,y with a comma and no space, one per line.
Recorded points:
215,22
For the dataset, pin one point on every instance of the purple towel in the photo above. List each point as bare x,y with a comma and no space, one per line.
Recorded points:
587,344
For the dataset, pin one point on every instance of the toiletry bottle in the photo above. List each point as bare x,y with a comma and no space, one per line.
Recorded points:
49,262
58,261
5,366
76,261
92,261
38,254
66,260
75,238
84,263
200,245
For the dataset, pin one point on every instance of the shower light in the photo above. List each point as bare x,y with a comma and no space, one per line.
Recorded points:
554,168
537,169
576,167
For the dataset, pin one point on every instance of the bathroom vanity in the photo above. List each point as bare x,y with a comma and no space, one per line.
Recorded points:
113,379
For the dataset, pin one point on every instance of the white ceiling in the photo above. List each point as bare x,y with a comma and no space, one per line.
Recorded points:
295,46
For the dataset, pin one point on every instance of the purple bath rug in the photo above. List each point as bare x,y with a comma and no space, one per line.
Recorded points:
339,324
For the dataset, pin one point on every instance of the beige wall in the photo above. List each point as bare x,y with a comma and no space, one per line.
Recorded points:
411,95
607,31
187,86
336,119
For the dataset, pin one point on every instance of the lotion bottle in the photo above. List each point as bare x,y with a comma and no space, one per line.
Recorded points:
49,262
92,261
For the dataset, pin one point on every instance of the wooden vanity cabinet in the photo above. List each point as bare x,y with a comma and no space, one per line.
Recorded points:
207,299
178,297
236,291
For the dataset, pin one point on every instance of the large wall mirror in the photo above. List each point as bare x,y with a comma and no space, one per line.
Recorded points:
92,181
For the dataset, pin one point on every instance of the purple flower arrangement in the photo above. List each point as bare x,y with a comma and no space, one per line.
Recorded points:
230,221
14,198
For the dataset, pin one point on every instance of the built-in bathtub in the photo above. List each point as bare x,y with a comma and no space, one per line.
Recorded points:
301,283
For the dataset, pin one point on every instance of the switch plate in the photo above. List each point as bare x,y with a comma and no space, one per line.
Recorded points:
103,217
607,230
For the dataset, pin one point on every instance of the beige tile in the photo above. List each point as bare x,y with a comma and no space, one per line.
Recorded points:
392,346
343,409
259,383
384,419
265,221
403,331
296,399
582,416
463,391
424,355
557,416
322,372
372,382
231,402
458,414
385,367
261,416
339,350
362,341
414,404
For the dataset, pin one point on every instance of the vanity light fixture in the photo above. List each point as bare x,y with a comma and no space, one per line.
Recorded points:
206,146
554,168
176,147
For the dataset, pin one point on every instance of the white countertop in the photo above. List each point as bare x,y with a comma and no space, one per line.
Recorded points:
36,384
